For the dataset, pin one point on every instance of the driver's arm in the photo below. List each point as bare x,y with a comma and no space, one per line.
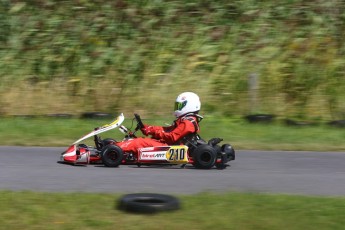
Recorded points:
181,130
151,129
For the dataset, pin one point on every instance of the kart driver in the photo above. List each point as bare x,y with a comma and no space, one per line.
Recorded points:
187,106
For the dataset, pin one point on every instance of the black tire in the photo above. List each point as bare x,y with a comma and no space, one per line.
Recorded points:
148,203
229,152
263,118
204,157
108,141
337,123
112,155
83,146
96,115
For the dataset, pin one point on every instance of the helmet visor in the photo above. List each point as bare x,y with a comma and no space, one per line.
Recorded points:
180,105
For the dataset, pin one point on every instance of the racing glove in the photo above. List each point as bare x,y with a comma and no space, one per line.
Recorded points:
147,130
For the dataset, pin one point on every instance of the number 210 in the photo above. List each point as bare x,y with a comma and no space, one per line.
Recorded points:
176,154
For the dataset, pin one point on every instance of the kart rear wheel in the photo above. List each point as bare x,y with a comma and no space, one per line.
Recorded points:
112,155
204,157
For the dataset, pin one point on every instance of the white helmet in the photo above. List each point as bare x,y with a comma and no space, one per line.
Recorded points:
187,102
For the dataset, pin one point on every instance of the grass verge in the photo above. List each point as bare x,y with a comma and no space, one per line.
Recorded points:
32,210
243,135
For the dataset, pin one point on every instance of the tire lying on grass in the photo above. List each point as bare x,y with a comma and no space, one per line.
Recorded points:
148,203
96,115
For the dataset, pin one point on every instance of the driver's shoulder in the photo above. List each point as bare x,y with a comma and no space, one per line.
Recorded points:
190,118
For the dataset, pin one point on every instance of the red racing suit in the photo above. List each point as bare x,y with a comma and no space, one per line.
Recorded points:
162,136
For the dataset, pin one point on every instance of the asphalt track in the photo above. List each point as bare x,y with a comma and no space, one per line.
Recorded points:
306,173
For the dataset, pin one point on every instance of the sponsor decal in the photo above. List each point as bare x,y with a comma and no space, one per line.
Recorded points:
153,155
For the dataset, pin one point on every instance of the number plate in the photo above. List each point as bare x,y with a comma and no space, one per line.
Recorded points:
177,154
169,154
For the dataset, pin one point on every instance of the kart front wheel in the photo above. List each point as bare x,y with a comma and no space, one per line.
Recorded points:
112,155
204,157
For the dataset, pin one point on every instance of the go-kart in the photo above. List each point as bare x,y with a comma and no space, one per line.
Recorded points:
193,150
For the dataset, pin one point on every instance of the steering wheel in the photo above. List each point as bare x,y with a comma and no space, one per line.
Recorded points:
140,123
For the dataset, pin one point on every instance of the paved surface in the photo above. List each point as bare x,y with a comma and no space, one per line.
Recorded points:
310,173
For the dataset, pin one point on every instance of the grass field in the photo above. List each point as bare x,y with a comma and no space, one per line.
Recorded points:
29,210
243,135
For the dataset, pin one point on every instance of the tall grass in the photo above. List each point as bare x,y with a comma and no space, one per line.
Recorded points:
75,56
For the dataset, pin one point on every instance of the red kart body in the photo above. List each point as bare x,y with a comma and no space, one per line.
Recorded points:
82,155
195,151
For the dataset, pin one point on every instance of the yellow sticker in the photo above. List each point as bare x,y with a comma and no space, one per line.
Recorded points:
178,154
